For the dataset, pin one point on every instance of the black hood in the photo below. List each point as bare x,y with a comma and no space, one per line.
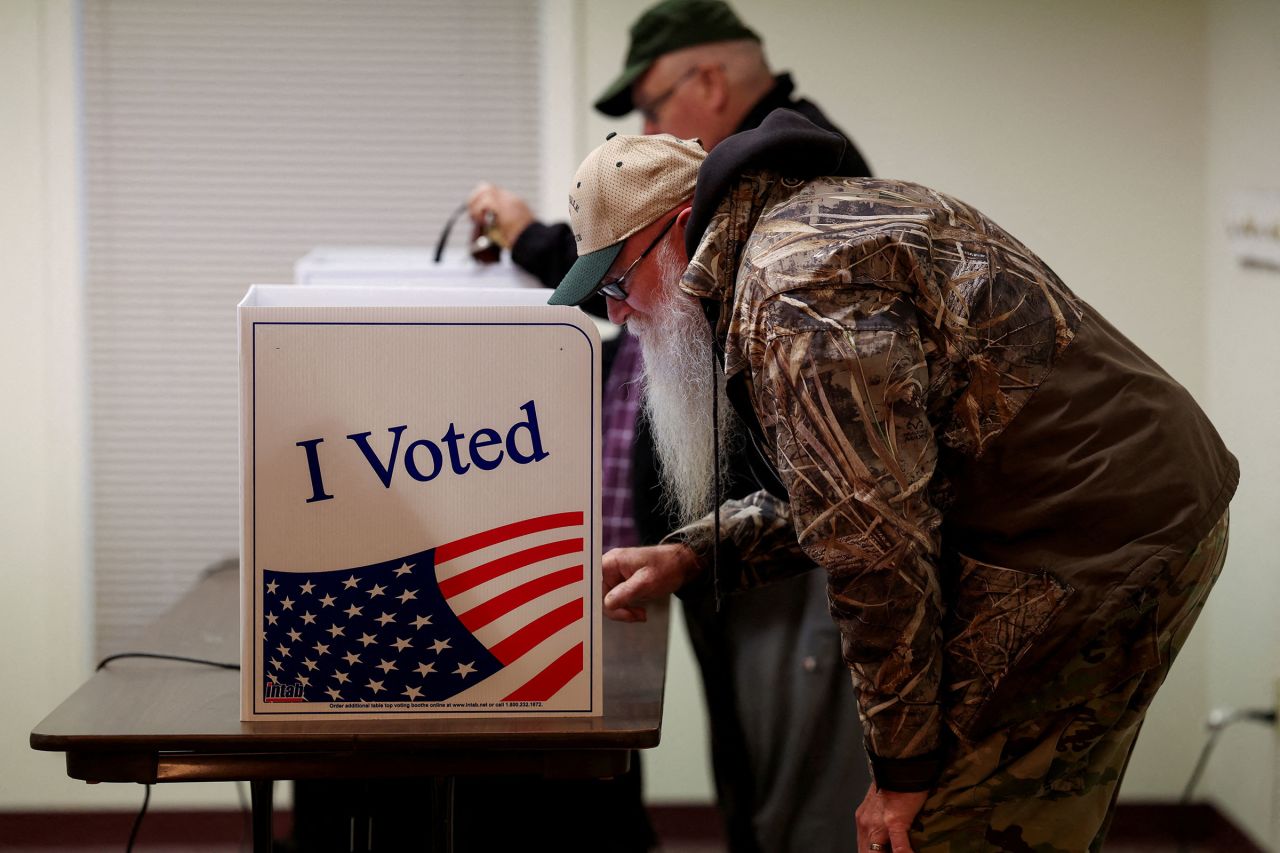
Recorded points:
785,142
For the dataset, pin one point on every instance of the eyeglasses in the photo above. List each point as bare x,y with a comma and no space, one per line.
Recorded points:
649,110
613,287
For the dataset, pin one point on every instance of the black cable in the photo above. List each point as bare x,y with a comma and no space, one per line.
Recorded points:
448,226
1199,768
1218,721
137,821
715,454
246,812
109,658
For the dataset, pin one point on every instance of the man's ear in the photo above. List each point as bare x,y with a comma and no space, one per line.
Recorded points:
682,221
717,82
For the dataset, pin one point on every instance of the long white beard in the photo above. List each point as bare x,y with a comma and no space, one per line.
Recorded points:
678,376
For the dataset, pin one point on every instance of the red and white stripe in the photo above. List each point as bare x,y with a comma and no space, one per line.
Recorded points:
521,589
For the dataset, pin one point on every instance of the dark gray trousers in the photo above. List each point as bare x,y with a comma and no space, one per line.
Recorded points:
786,746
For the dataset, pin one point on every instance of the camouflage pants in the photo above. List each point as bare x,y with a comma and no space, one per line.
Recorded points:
1048,784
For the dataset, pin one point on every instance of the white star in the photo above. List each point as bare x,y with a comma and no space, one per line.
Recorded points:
353,611
308,618
335,630
276,663
464,669
386,666
404,569
294,635
375,686
413,692
304,681
421,620
351,658
342,677
307,587
284,650
272,619
402,644
440,645
367,639
327,601
321,649
385,618
334,694
407,595
272,587
310,664
376,590
350,583
286,603
426,668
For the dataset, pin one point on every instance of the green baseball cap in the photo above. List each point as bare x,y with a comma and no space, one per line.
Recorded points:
670,25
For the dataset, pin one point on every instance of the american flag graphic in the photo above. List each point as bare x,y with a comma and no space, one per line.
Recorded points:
430,625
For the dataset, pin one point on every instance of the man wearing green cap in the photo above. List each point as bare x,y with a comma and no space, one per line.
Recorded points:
1019,514
694,69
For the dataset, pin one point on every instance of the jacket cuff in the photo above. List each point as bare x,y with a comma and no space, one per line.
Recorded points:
545,251
694,537
906,774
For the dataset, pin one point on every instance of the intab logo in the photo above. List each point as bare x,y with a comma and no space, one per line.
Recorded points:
276,692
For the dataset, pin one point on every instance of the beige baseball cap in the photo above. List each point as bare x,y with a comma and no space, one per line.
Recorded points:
621,188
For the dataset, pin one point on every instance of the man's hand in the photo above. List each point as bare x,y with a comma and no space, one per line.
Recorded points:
634,577
511,214
885,818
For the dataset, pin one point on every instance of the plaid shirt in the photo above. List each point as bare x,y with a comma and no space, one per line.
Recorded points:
621,407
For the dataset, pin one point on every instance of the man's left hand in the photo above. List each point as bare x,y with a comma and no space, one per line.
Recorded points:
885,819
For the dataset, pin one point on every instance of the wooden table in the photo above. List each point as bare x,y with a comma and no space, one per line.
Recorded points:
151,721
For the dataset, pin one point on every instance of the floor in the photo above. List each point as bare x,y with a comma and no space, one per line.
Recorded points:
690,832
689,847
117,845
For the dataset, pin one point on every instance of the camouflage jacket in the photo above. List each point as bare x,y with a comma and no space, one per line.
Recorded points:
982,465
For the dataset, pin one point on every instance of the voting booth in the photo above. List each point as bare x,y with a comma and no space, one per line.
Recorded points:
420,478
403,266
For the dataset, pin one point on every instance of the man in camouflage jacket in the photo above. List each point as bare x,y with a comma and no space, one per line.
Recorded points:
1019,513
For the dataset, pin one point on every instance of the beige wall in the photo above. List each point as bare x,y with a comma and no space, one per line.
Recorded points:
44,571
1241,305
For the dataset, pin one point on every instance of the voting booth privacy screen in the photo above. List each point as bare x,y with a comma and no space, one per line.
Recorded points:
420,478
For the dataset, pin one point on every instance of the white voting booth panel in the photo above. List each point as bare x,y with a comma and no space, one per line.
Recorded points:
389,266
392,266
420,476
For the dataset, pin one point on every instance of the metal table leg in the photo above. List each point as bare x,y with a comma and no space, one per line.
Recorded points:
260,791
442,810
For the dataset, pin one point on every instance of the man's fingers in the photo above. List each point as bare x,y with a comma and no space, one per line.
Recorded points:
626,614
628,593
645,585
479,198
899,840
634,577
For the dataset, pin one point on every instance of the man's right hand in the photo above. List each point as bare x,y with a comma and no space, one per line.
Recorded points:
511,214
634,577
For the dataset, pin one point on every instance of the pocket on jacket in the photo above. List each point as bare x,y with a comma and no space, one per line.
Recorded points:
995,616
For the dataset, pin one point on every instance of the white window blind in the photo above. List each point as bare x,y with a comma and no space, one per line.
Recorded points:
222,141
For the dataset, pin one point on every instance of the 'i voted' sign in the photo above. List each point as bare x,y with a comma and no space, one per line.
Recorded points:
420,478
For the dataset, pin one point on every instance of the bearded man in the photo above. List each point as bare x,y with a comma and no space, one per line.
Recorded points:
693,68
1019,513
